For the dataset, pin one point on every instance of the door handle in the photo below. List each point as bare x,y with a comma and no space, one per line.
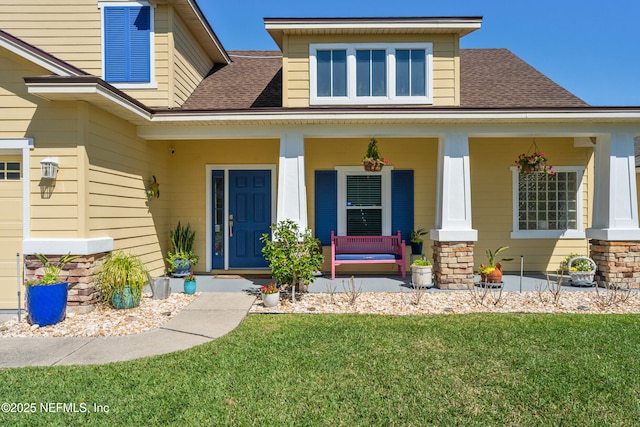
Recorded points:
230,225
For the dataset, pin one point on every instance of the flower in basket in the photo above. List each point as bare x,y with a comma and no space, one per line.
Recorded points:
372,159
271,289
536,162
190,277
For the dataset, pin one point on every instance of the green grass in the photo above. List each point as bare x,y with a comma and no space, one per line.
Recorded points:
522,370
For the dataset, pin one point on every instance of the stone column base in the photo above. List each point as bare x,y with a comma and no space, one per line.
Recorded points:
453,264
83,291
618,262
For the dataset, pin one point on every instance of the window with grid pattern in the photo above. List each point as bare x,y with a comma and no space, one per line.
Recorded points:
9,171
548,202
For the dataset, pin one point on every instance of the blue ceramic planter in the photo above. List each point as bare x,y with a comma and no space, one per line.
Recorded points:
190,287
47,304
124,299
181,268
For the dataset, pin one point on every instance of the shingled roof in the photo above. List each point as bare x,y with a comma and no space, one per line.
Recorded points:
489,78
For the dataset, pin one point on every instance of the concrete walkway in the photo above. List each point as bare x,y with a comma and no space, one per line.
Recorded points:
210,316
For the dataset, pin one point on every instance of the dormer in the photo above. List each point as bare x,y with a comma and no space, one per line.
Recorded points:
361,62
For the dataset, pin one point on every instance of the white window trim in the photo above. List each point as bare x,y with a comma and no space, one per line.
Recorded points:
351,98
550,234
343,171
152,84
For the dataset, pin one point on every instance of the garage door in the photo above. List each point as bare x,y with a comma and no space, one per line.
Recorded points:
10,228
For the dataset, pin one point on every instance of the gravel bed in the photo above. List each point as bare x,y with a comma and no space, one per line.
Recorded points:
458,302
105,321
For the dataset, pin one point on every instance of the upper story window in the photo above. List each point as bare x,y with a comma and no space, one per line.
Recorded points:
127,44
345,74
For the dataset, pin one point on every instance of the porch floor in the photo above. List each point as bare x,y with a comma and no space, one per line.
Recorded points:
369,283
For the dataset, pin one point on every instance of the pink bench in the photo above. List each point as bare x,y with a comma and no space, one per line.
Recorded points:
368,250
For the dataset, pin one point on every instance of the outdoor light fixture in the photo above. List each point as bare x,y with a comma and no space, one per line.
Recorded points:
49,168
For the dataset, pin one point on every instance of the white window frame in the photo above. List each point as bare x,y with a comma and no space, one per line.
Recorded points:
352,98
343,172
579,233
152,84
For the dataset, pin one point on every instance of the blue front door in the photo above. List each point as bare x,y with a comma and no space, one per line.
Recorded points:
249,216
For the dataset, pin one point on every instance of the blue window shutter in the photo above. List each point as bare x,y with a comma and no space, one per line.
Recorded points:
326,205
140,32
402,203
127,44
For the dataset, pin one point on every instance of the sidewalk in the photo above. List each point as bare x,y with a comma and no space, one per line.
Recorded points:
210,316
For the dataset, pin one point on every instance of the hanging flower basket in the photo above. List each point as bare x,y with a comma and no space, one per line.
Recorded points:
372,161
535,162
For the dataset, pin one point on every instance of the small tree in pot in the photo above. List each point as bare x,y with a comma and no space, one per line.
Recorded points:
292,254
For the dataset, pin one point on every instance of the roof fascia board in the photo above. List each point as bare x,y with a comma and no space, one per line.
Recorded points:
207,27
47,89
389,130
453,24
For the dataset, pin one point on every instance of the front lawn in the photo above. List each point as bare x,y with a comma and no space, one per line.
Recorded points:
489,369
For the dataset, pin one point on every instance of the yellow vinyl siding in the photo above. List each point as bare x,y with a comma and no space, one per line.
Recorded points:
445,64
191,63
69,30
418,154
121,168
492,202
187,189
10,235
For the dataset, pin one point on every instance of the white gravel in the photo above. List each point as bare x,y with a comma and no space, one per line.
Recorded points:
105,321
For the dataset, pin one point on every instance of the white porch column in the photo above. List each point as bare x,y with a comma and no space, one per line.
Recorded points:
292,188
615,202
453,203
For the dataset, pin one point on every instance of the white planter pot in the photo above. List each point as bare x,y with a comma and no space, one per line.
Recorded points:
271,300
421,275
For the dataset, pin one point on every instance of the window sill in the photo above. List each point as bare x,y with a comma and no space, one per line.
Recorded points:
548,234
371,100
152,85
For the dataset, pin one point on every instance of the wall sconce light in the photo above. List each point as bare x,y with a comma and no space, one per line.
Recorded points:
49,168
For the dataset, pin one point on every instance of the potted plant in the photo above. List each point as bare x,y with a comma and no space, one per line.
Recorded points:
536,162
190,284
581,269
421,273
372,160
121,279
181,257
492,273
417,240
47,294
270,295
292,255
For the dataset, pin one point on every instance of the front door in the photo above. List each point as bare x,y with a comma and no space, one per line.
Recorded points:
249,216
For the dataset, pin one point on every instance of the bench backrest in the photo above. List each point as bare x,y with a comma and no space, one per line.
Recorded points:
367,244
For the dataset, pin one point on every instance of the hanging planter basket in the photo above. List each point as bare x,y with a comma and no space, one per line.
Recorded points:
534,162
373,167
372,161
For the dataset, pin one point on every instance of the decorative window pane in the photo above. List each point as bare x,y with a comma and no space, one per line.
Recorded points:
9,171
549,206
331,72
364,205
371,72
410,72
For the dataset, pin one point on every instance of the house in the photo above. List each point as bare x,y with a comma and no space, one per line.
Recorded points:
119,93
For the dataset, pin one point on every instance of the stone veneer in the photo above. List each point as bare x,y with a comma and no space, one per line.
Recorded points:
83,292
618,263
453,264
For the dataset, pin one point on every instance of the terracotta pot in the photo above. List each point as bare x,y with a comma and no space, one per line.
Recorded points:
494,277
